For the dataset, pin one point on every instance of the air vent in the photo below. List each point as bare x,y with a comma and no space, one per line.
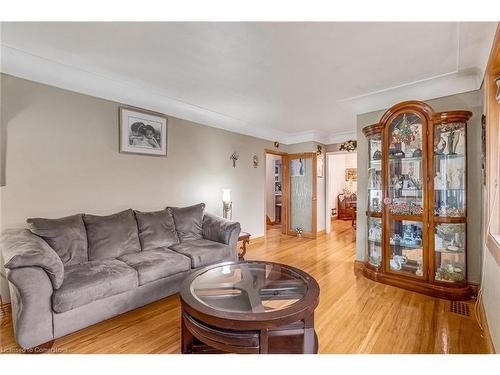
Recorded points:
460,308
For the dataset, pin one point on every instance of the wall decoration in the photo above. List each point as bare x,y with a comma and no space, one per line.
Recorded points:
255,161
349,146
142,132
234,157
319,150
320,161
298,168
276,144
351,174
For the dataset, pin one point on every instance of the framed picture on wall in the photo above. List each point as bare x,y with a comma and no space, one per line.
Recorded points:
320,165
142,132
351,174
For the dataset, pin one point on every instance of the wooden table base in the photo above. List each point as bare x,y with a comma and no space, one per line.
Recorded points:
296,338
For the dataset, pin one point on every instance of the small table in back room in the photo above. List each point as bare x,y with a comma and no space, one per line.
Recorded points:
245,239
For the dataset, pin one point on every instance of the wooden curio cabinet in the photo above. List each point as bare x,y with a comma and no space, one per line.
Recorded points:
416,225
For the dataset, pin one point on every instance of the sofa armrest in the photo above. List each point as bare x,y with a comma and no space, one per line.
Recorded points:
31,294
21,248
221,230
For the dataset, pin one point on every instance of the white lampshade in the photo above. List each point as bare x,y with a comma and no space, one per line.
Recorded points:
226,195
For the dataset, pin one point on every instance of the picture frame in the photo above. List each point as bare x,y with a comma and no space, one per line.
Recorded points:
320,166
351,174
142,132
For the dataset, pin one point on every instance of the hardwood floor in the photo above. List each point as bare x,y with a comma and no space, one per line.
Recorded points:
355,315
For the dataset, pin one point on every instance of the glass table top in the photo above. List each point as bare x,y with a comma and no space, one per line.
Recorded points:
249,287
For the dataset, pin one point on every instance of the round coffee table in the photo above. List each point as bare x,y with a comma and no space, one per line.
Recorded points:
249,307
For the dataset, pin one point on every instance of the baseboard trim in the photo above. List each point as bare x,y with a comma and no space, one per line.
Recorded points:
256,240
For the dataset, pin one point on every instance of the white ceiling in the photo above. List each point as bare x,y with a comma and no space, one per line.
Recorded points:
291,82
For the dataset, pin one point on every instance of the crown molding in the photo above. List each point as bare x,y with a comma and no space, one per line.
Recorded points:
104,85
435,87
36,68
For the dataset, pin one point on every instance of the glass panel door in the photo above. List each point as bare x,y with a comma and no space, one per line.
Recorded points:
375,173
302,194
405,193
449,245
449,170
405,165
406,243
375,241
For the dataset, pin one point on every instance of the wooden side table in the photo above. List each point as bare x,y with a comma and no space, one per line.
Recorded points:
245,239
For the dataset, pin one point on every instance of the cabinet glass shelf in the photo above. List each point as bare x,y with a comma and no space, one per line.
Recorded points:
409,159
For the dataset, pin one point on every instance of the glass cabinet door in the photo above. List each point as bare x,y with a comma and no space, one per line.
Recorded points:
405,165
375,173
375,241
449,245
406,243
449,170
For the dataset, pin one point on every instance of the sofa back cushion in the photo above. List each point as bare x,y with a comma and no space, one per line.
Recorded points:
67,236
156,229
112,236
188,221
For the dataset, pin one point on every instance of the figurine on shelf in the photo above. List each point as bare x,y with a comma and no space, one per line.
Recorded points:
453,139
439,146
395,240
438,181
455,178
419,271
377,155
417,153
397,262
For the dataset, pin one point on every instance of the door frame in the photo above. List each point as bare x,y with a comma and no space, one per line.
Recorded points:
328,180
282,154
285,198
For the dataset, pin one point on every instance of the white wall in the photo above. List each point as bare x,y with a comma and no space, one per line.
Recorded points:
62,158
491,296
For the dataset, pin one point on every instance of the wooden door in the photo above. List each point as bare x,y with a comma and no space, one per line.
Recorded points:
405,203
299,201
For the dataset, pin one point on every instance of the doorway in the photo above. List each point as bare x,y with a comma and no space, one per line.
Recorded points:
341,188
274,193
290,194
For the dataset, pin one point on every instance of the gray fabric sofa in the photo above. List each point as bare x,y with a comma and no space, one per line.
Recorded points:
66,274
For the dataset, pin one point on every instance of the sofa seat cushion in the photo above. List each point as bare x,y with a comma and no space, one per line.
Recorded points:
92,281
156,264
203,252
